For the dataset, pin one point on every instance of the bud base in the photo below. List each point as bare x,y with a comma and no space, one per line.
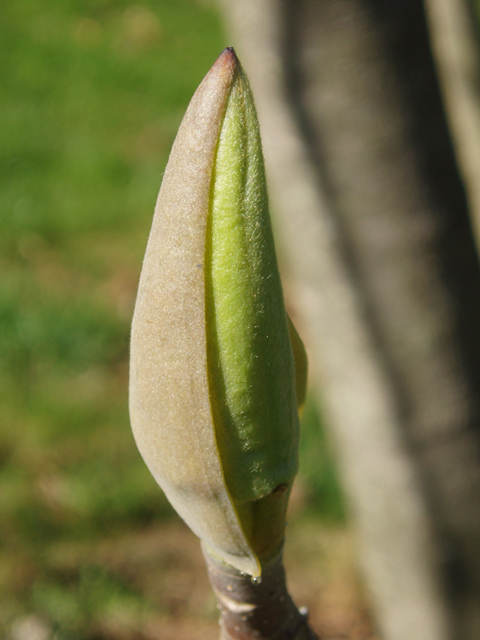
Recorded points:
254,608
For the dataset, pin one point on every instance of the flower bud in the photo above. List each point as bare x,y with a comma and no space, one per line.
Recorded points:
213,395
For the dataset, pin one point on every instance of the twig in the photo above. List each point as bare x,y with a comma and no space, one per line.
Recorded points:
254,608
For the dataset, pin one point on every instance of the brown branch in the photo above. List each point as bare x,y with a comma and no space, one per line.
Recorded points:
256,609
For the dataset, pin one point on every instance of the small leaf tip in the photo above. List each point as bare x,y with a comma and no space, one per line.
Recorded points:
229,56
226,63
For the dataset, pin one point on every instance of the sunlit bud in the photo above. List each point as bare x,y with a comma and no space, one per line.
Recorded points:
213,390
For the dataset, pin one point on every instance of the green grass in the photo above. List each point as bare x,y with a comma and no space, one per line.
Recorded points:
318,475
92,94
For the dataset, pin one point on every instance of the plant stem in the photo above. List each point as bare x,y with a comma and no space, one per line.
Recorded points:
254,608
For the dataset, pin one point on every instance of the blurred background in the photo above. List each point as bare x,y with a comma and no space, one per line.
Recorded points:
370,117
92,93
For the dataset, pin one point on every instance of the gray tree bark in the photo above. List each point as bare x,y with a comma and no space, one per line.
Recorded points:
455,40
373,216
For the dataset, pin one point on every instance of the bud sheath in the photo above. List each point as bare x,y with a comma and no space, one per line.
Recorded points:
212,387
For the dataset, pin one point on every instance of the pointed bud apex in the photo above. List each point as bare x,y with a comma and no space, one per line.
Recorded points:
212,386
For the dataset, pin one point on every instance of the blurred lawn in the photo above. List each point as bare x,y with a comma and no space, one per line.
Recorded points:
92,92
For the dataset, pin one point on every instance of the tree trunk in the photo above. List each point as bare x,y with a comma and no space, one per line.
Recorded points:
374,219
456,44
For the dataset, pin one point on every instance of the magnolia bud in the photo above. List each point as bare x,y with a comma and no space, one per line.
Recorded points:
213,395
